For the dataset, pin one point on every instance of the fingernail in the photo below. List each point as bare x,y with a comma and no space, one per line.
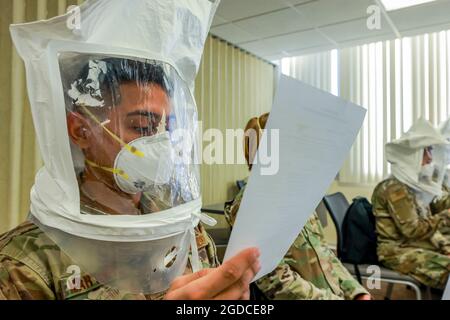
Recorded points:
256,253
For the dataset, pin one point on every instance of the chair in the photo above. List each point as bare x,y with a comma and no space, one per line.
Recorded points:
337,206
221,233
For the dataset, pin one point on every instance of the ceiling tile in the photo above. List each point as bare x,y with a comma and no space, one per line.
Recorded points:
275,57
325,12
218,20
260,48
356,29
434,13
427,29
232,33
272,28
275,23
237,9
295,2
291,42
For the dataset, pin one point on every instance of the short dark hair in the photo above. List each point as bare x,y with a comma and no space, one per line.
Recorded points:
118,72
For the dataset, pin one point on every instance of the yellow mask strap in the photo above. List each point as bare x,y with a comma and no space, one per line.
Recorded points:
119,172
131,149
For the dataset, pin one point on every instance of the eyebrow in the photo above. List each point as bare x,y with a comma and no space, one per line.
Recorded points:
142,113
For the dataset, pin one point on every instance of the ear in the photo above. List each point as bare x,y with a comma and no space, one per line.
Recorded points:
78,129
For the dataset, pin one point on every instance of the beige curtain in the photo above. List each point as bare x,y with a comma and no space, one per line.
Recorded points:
231,87
19,158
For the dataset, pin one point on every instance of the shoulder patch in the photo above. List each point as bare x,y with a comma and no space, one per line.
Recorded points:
398,194
201,241
19,230
200,237
71,289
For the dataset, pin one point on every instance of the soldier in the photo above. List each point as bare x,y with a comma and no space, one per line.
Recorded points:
115,212
310,270
442,203
410,240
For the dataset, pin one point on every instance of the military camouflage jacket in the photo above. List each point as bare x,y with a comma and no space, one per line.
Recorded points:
441,204
402,222
33,267
309,271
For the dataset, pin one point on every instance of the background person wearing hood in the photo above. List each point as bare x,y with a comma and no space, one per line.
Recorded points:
409,235
309,270
442,203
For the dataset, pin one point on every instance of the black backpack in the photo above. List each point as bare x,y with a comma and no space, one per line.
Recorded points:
358,234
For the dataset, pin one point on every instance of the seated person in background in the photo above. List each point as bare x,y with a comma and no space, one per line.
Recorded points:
442,203
409,235
310,270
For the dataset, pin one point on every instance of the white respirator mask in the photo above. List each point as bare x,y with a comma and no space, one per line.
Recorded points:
135,173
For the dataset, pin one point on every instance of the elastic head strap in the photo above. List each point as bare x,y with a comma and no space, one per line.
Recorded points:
118,172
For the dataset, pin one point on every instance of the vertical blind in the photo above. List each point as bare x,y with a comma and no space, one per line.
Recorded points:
232,86
397,81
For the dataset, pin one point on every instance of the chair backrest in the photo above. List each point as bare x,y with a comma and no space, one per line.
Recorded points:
337,205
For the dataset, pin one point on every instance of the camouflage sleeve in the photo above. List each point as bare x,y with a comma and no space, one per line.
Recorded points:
403,209
444,225
231,209
441,204
442,242
348,284
19,282
286,284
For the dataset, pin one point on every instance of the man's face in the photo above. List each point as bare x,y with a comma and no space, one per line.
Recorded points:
139,114
427,156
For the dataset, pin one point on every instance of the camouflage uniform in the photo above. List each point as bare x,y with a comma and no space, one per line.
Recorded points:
33,267
309,271
442,204
410,240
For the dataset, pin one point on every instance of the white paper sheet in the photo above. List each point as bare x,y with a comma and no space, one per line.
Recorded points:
446,295
316,132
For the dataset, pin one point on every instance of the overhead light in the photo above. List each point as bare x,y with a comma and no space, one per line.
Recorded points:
391,5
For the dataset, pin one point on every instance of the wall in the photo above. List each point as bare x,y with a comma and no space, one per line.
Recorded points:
232,86
19,156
